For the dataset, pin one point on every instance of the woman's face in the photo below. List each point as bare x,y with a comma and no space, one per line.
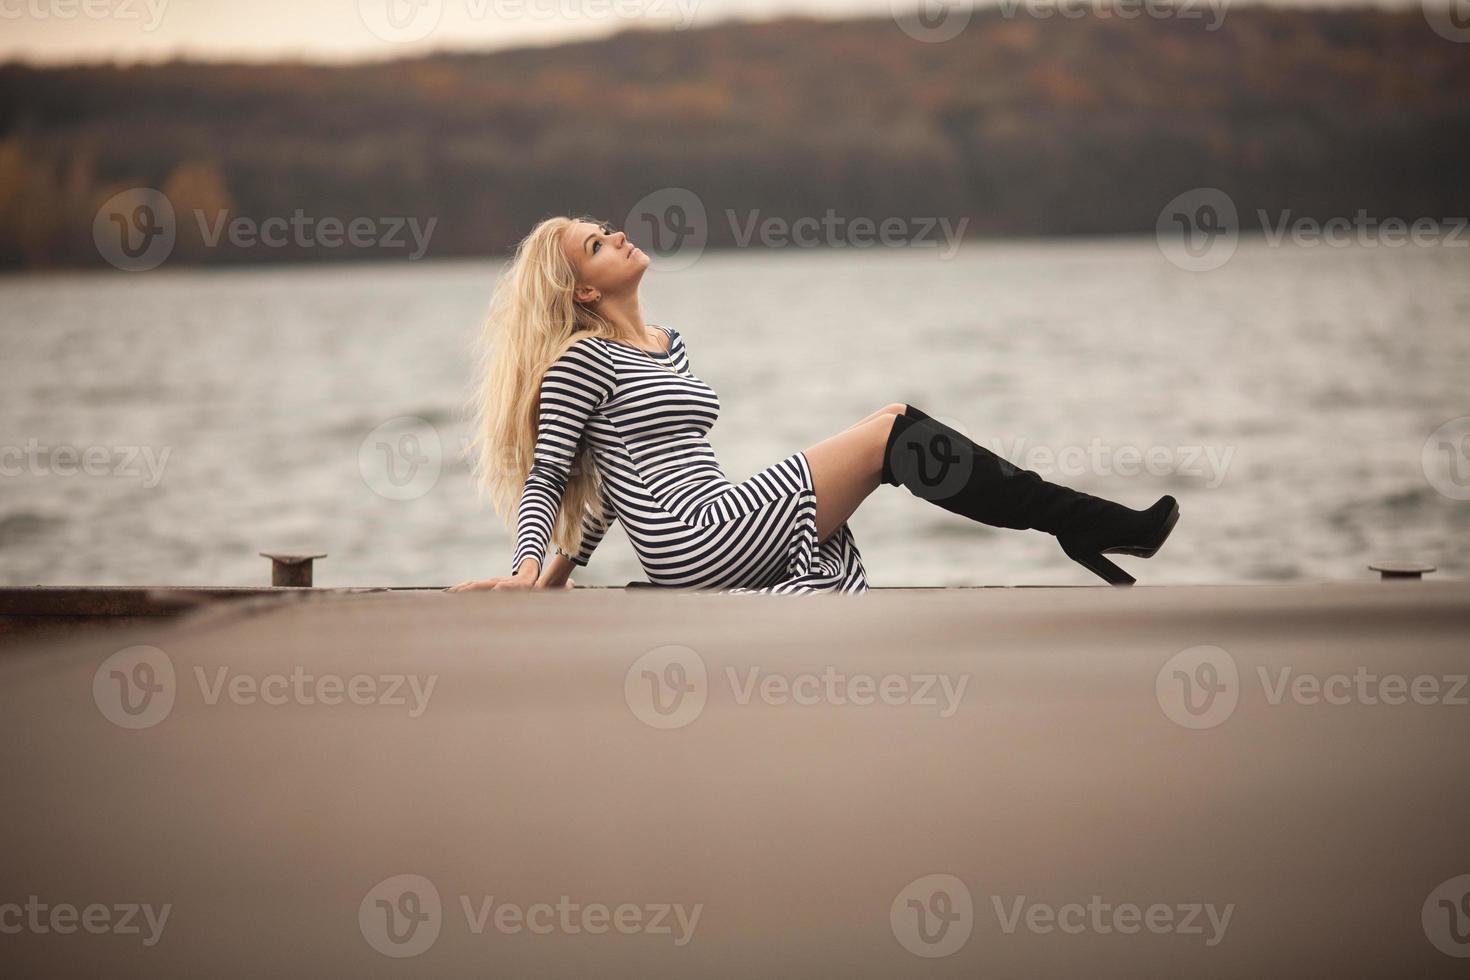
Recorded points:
607,264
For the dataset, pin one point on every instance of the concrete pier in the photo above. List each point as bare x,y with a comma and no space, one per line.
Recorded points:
1181,781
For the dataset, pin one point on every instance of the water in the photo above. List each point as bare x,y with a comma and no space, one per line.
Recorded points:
1286,400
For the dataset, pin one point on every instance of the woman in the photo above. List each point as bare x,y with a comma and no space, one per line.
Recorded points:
570,363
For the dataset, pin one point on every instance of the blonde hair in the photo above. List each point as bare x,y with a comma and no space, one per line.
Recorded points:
533,319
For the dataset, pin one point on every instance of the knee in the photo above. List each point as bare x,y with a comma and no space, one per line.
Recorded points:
880,431
894,408
881,425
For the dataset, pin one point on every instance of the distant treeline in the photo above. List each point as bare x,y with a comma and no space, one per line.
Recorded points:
1022,126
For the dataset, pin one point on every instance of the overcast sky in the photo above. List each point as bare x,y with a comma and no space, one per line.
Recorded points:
131,30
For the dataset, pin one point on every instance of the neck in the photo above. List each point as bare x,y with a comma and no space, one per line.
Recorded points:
626,318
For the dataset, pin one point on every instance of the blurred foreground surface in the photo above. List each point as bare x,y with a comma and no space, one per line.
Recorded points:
1201,782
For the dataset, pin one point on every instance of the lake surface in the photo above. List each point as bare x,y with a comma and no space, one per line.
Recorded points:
162,428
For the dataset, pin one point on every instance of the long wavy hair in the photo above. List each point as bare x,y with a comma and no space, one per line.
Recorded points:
533,319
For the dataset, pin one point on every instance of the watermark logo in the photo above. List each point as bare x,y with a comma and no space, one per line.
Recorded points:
122,462
933,916
1446,917
674,223
135,687
1446,458
667,687
300,687
926,458
401,916
407,21
63,918
1363,230
402,458
1208,464
135,230
833,230
932,21
304,231
1198,687
1450,19
400,21
1120,10
150,12
1364,687
839,688
1198,230
1103,917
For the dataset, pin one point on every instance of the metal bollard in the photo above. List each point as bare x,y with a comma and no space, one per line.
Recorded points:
292,570
1401,570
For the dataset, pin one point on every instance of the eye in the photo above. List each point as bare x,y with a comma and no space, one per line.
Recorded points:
608,231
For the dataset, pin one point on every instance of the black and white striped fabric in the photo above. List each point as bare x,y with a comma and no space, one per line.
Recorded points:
646,418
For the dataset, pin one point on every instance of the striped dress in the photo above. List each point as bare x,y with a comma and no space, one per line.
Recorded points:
645,418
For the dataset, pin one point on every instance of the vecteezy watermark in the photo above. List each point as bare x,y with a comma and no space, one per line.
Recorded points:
833,230
301,230
137,687
675,224
934,916
407,21
1446,917
838,688
403,916
1450,19
1363,230
932,21
137,230
927,458
34,459
1362,686
1211,11
1199,230
402,458
1446,458
1103,918
300,687
1200,687
64,919
1205,463
148,12
668,687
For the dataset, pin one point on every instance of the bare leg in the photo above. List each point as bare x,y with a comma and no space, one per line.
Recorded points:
848,466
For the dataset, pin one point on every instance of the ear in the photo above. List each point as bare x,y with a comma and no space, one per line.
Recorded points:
584,293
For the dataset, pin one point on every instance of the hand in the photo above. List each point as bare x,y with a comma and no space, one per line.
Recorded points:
506,582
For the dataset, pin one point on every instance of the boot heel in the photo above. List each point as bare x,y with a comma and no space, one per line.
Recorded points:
1102,568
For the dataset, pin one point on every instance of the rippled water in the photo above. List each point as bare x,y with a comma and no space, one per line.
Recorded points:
1285,399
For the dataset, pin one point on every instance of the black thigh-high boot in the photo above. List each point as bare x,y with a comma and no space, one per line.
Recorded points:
947,468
